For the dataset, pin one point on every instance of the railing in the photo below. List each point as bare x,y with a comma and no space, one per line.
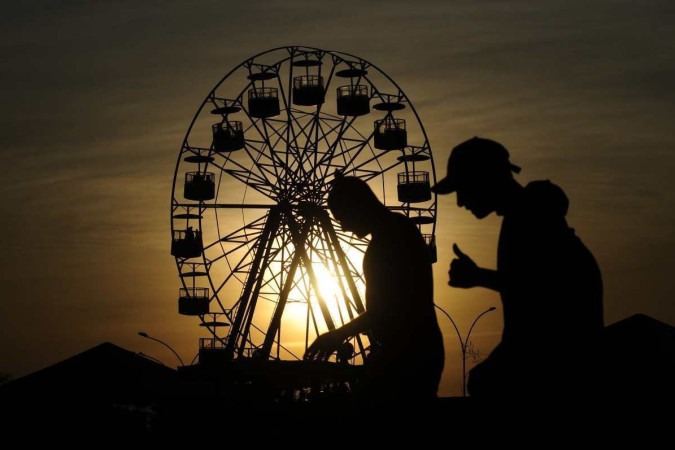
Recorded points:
256,93
413,177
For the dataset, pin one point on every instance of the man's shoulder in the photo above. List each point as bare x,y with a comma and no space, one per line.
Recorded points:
398,227
545,197
401,221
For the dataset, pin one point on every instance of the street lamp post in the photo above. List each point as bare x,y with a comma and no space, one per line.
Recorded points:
464,342
147,336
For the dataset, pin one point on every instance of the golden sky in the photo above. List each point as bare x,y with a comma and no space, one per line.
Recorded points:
97,97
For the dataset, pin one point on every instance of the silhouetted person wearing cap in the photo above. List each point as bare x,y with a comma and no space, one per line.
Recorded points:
549,282
407,356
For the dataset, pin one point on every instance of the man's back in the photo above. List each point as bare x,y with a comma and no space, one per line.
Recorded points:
399,280
407,342
551,284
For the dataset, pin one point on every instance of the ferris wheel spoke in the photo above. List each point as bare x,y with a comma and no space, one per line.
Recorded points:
262,162
249,341
299,236
243,268
346,307
283,145
262,187
279,296
383,170
248,299
294,134
257,181
269,169
357,149
286,131
255,294
276,341
273,281
244,234
278,165
339,159
245,260
325,160
256,150
351,241
340,260
314,149
304,145
207,206
275,130
239,268
229,252
345,125
305,131
265,139
275,323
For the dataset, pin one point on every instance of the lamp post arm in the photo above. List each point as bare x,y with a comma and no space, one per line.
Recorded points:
492,308
454,325
147,336
151,358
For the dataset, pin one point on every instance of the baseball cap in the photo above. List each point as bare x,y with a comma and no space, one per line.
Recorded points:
471,157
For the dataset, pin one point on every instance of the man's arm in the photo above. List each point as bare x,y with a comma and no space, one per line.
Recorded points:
465,273
329,342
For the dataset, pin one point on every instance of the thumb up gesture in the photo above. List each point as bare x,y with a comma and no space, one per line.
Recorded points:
463,273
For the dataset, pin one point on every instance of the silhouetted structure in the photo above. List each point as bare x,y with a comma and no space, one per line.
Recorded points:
108,392
105,388
550,284
638,360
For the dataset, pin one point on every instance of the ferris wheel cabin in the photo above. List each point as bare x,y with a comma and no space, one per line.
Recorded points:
353,100
228,136
263,102
193,301
212,351
187,243
199,186
308,90
413,187
390,134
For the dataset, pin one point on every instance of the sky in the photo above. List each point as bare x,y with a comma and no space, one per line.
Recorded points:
97,97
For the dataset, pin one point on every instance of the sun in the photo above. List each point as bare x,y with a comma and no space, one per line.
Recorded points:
329,289
325,289
324,294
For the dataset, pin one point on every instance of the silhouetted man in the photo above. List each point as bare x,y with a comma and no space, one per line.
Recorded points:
550,284
407,356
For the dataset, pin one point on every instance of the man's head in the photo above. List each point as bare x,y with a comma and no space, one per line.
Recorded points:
478,170
353,204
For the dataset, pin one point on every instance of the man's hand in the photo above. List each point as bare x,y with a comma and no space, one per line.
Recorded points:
463,273
324,346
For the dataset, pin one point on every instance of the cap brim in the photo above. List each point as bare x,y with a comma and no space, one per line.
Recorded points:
445,186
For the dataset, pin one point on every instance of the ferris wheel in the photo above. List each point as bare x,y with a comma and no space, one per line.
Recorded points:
261,262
